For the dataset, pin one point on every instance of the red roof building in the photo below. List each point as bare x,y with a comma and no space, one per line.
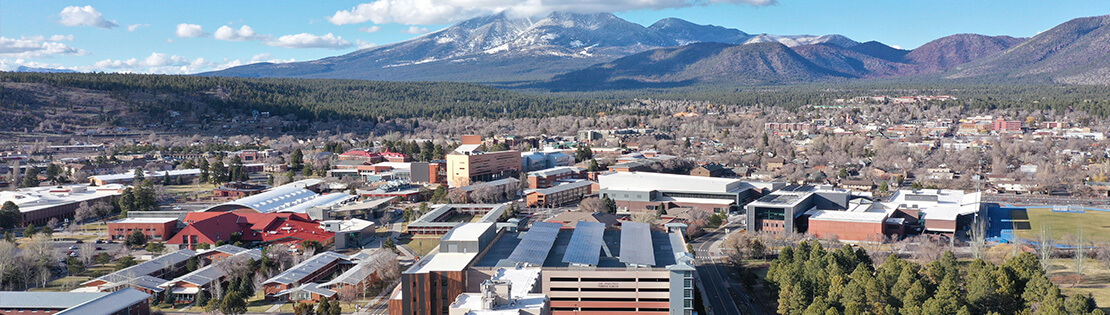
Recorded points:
360,155
269,228
395,157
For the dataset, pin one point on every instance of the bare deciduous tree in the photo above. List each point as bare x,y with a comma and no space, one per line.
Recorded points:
592,204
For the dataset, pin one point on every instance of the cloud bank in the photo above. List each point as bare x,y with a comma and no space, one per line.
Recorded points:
449,11
38,46
306,40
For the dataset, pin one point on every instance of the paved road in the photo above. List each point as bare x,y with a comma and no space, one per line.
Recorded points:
716,278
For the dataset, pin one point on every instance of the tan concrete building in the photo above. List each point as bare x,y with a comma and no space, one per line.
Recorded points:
468,165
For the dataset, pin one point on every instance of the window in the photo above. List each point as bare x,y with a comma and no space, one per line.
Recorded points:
688,293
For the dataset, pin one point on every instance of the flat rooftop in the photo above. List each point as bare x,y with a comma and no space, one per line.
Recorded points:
468,231
643,181
442,262
145,220
499,252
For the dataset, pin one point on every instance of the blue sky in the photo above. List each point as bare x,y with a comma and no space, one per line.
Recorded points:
186,36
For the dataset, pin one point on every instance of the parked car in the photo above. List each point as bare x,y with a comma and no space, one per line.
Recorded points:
99,248
73,247
79,242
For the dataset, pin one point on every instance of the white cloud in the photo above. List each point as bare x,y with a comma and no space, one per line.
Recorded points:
244,33
260,57
306,40
361,44
370,29
415,30
263,57
161,63
190,30
38,46
84,16
12,65
447,11
134,27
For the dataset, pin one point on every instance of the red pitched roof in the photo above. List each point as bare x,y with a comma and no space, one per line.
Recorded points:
361,153
211,227
393,154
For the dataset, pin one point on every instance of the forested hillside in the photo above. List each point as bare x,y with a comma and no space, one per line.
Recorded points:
92,99
67,103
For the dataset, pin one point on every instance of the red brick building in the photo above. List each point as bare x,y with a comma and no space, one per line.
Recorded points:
1005,125
155,229
267,228
550,177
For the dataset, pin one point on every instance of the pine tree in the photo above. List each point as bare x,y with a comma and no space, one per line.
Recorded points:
296,160
204,170
139,174
31,179
127,201
9,215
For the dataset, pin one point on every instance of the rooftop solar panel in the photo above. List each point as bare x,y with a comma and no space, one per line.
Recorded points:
585,244
536,244
636,246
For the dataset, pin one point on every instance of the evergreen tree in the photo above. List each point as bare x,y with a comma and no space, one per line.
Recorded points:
9,215
218,173
135,239
31,179
52,172
296,160
204,170
233,304
201,299
139,174
127,201
610,205
308,170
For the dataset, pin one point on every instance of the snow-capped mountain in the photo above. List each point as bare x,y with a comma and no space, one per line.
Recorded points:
501,48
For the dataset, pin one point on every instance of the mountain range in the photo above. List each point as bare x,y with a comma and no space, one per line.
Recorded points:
500,48
568,51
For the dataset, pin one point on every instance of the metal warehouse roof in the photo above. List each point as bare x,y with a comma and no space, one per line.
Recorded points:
146,267
109,304
305,268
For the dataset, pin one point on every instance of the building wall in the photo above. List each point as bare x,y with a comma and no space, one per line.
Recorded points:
153,231
936,224
430,293
560,198
61,212
608,291
846,231
636,206
463,169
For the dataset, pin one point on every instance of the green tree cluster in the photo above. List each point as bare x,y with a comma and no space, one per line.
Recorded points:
809,279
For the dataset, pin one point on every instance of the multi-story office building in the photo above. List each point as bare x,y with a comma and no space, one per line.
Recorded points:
645,191
467,165
585,270
824,211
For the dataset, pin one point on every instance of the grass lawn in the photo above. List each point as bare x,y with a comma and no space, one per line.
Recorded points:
258,303
423,245
63,284
1095,224
460,217
189,189
1096,279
